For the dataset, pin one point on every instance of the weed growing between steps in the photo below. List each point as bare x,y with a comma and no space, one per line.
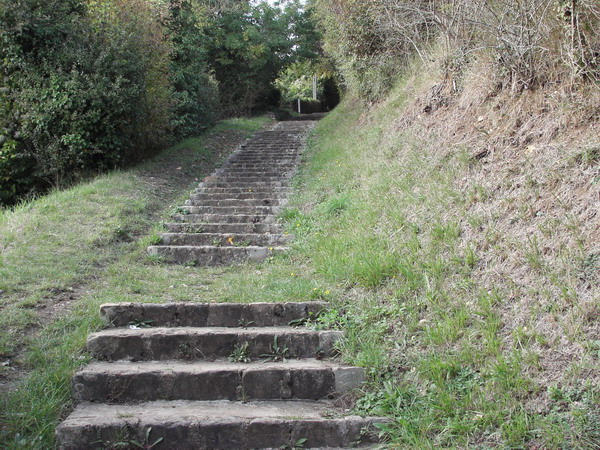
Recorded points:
64,254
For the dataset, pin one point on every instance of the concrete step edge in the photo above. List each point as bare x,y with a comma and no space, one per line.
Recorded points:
206,343
121,382
180,314
188,425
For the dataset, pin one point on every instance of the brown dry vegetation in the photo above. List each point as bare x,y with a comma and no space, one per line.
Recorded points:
533,217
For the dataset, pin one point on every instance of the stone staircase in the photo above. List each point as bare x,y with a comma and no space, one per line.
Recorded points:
213,376
219,376
232,216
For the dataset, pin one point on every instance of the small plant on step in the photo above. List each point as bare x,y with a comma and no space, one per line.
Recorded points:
146,443
330,320
181,210
154,239
140,323
245,323
194,229
298,322
311,320
185,349
298,445
278,352
241,353
244,398
121,441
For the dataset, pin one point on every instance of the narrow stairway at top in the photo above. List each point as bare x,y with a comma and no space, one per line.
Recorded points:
232,216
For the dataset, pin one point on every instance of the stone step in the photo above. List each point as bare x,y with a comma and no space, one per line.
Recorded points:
225,218
291,148
254,173
224,240
262,163
191,425
271,228
210,256
265,161
244,196
229,178
244,176
248,185
265,155
208,200
279,191
252,210
209,314
123,381
208,343
273,168
260,149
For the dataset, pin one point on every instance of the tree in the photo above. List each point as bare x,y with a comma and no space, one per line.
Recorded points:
194,89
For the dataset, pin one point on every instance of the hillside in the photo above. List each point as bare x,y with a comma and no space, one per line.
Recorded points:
460,237
465,281
448,211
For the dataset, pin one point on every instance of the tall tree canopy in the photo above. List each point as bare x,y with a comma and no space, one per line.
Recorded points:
89,85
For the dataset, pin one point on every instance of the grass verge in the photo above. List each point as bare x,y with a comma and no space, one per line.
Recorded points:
406,238
401,233
65,253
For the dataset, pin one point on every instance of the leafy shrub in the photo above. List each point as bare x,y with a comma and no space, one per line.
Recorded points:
85,89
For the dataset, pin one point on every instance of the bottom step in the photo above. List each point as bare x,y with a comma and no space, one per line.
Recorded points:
215,425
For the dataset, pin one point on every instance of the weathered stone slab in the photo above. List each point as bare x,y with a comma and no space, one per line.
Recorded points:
213,256
209,314
214,425
120,382
270,228
206,343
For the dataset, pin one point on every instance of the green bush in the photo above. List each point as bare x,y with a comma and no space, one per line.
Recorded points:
78,89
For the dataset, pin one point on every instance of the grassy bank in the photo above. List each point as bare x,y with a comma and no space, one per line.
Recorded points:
64,254
467,288
472,313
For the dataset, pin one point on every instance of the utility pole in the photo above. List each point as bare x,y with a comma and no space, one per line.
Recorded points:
314,87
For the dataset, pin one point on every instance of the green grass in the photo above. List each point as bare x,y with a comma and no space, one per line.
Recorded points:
380,218
85,246
380,221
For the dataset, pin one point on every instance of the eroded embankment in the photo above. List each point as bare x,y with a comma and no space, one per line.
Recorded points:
459,231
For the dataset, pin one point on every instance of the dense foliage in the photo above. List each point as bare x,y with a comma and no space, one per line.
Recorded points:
88,85
195,90
81,93
529,42
248,46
